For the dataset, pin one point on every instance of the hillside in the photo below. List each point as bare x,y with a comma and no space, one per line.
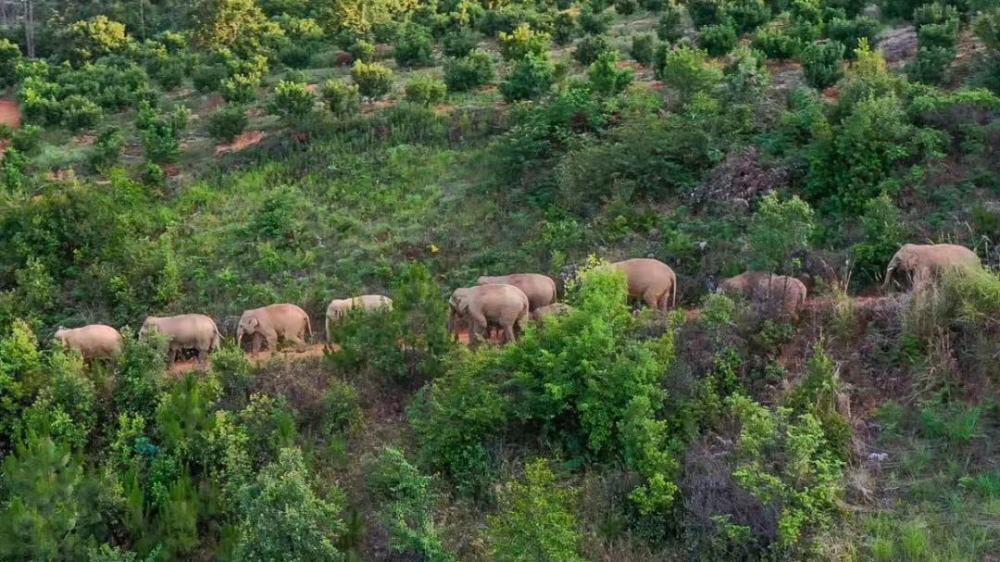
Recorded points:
215,156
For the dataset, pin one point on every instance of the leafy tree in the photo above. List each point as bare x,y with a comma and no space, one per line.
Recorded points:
228,123
852,32
688,71
522,43
531,77
342,98
470,72
96,37
717,40
669,27
10,58
20,376
414,46
590,48
426,91
822,63
460,42
775,42
239,26
283,518
594,21
292,101
884,231
565,27
643,48
605,76
373,79
536,520
778,230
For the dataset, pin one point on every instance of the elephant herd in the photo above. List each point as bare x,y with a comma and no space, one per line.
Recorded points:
501,304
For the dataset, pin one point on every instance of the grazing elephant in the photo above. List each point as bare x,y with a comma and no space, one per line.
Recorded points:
779,293
555,309
650,280
540,289
186,331
338,308
285,321
482,306
95,341
924,263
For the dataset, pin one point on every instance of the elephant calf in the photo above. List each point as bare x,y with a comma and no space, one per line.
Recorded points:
186,331
482,306
339,308
269,323
774,293
556,309
925,263
650,280
540,289
95,341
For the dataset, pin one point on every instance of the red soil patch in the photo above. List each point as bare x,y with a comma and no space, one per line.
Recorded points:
242,142
10,113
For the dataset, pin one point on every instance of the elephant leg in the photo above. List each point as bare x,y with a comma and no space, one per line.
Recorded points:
202,354
272,342
171,355
477,325
652,298
255,344
508,333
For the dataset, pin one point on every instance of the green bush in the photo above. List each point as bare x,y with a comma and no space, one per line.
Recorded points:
107,148
931,65
688,71
939,35
341,410
988,29
852,32
643,48
626,7
822,63
594,22
80,113
717,40
470,72
296,55
208,77
426,91
530,78
565,28
88,40
778,230
748,15
270,425
536,520
776,43
885,232
707,12
161,133
364,51
670,25
373,79
460,42
406,506
606,78
590,48
293,102
414,46
227,123
342,98
522,43
282,518
10,58
935,12
240,88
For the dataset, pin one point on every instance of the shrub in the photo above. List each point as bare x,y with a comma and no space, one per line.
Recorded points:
643,48
208,77
240,88
373,79
594,22
292,101
470,72
282,518
296,55
935,12
364,51
931,65
717,40
161,133
233,370
987,28
88,40
10,58
80,113
414,46
342,98
707,12
565,27
227,123
778,230
531,78
107,148
406,506
460,42
269,423
884,231
170,74
670,25
776,43
939,35
822,63
605,76
590,48
748,15
522,43
426,91
626,7
341,409
536,520
852,32
688,71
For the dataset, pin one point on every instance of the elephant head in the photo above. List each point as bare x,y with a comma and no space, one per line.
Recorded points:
248,325
458,306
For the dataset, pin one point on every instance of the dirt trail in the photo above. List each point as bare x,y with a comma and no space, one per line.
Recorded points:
10,113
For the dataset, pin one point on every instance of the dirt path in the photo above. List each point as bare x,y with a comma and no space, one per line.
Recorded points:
287,355
10,113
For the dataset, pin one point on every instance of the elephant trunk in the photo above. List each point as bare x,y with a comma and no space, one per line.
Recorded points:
239,336
889,271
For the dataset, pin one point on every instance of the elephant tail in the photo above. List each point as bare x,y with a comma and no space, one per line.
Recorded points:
326,326
673,297
216,340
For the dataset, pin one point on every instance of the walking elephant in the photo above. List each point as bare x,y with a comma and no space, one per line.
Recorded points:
186,331
273,322
779,295
920,264
650,280
540,289
95,341
482,306
339,308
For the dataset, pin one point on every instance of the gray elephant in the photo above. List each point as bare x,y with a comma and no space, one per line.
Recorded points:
920,264
650,280
776,294
95,341
339,308
540,289
482,306
269,323
185,331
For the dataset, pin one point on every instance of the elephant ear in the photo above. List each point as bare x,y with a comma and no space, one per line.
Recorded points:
253,322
